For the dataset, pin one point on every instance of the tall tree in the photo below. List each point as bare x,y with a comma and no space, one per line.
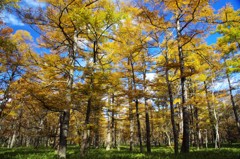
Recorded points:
13,49
188,15
228,46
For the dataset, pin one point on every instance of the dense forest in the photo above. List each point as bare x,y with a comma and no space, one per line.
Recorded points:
104,73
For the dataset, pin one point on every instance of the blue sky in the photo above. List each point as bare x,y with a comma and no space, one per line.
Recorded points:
218,5
14,22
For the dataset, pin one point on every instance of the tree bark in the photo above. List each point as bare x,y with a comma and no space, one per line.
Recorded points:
64,126
139,126
170,94
136,106
96,129
65,115
185,140
131,117
109,130
13,139
147,122
212,117
235,111
206,138
113,123
108,146
148,136
85,139
217,140
119,136
198,133
115,135
168,139
131,126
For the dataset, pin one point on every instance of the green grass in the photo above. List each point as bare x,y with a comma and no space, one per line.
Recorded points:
230,152
26,153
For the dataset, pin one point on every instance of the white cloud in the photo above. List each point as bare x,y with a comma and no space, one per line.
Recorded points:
9,18
223,84
150,76
12,19
34,3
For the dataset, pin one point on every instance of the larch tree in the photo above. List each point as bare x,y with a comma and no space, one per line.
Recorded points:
228,46
14,48
100,23
130,58
62,31
187,20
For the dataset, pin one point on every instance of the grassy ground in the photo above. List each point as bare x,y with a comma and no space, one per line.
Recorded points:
229,152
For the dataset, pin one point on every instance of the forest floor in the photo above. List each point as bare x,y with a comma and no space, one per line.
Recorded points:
226,152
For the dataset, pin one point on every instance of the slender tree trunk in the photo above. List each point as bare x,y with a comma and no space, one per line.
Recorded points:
191,94
152,125
119,136
191,121
115,135
186,137
56,137
131,126
196,118
175,132
168,139
170,94
117,126
13,139
147,126
206,138
96,130
113,123
108,146
198,133
109,130
9,142
185,140
65,115
235,111
147,122
85,140
28,141
136,106
64,126
180,115
217,139
200,139
20,126
139,126
213,120
131,117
